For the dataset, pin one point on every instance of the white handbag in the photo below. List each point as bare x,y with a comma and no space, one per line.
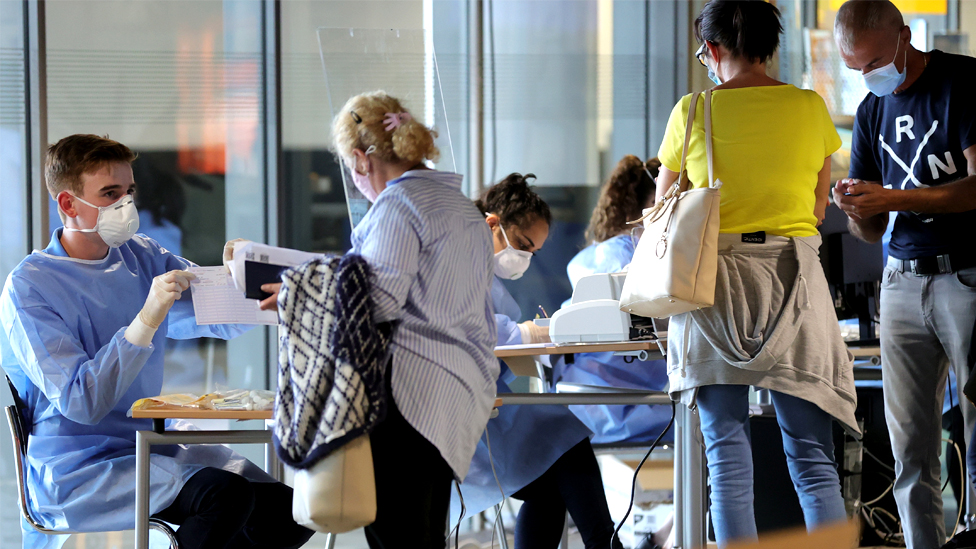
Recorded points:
675,263
337,494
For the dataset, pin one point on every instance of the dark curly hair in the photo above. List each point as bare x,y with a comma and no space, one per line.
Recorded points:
622,198
514,202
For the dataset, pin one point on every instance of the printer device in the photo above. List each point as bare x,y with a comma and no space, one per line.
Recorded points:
594,314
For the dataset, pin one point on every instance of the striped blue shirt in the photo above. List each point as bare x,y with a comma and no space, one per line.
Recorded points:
431,255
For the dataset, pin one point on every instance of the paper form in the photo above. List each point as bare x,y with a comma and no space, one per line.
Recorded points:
217,301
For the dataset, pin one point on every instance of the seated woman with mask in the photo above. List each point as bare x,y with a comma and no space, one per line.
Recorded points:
626,193
541,454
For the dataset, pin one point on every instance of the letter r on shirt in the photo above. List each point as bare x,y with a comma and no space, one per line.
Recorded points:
903,125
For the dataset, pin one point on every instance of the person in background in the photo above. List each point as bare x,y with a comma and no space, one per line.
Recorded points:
85,325
161,201
430,253
540,454
773,325
913,152
612,241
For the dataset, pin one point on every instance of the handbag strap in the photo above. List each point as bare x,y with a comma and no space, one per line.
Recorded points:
682,173
708,138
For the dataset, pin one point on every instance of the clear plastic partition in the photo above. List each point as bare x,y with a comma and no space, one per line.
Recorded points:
397,61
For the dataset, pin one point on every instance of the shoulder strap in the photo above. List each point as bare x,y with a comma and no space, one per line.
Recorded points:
683,175
708,137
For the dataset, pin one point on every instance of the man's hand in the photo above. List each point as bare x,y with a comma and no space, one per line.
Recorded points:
271,303
862,199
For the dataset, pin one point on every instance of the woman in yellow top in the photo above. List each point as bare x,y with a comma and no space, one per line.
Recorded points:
773,324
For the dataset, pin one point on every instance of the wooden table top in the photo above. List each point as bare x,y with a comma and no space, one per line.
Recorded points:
180,412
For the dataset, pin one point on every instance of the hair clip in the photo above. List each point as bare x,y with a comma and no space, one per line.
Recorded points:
394,120
355,117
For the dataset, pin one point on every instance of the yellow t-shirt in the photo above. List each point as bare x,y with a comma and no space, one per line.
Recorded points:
769,144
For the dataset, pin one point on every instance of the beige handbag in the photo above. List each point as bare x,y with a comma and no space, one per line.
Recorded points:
674,265
337,494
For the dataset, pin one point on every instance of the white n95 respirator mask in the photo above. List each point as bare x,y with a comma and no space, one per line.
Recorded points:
116,223
510,263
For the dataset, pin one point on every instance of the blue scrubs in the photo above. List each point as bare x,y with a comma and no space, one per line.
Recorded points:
63,346
614,423
525,440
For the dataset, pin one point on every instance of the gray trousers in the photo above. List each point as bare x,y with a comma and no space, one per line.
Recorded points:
927,325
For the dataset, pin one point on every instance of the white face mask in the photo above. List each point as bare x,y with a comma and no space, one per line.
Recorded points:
510,263
116,223
885,80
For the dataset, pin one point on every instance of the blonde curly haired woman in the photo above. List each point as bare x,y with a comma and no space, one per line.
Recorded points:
432,261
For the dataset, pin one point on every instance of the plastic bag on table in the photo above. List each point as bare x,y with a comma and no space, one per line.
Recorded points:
239,399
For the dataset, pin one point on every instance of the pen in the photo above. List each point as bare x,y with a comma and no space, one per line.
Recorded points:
544,314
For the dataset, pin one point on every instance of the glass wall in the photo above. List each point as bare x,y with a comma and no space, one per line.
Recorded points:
181,83
569,88
572,87
14,235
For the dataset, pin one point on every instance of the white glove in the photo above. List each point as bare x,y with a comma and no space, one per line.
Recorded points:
229,251
533,333
165,290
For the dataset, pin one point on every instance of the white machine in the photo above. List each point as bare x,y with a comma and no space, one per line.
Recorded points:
595,315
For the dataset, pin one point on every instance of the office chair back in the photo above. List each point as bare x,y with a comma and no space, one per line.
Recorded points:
19,430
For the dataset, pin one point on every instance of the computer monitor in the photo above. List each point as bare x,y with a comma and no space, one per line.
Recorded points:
853,268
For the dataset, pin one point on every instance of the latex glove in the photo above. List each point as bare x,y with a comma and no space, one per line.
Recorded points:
165,290
533,333
229,251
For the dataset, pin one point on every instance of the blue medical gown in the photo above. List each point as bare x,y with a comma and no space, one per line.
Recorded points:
63,347
614,423
525,440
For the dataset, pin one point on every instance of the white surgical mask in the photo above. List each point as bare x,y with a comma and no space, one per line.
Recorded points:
885,80
510,263
116,223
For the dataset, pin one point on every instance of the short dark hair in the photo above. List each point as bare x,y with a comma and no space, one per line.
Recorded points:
749,29
854,18
514,202
79,154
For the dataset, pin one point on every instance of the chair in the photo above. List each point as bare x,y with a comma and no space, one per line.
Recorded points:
18,435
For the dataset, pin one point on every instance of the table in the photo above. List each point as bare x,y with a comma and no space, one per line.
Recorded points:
689,460
159,435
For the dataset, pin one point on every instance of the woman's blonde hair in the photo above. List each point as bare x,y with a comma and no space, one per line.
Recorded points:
362,123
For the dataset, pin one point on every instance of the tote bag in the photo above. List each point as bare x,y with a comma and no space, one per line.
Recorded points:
675,263
337,494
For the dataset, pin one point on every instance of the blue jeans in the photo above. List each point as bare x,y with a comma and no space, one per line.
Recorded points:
807,441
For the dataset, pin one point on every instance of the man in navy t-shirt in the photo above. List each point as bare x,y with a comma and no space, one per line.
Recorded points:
914,153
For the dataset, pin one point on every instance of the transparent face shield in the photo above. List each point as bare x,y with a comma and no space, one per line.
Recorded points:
401,63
